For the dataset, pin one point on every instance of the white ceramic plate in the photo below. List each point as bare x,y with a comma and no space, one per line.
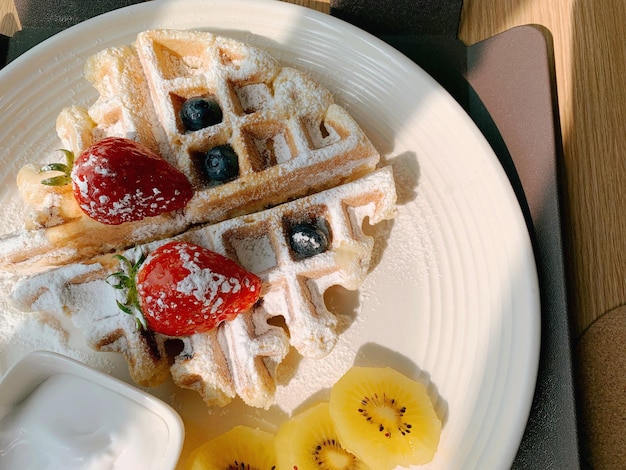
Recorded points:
453,300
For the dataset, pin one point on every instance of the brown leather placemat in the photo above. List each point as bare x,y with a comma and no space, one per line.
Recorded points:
511,73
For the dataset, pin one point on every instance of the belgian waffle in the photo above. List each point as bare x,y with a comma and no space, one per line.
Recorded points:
239,357
291,139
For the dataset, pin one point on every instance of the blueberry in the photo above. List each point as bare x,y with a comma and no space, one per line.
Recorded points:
200,112
307,240
221,164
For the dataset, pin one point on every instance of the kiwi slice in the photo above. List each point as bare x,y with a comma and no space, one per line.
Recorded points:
309,441
240,448
384,418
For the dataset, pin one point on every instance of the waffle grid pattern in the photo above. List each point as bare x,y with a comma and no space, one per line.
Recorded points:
291,139
240,357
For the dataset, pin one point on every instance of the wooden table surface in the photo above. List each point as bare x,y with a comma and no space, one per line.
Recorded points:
589,54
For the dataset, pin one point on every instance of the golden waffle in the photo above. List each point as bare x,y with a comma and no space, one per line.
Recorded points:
291,139
239,357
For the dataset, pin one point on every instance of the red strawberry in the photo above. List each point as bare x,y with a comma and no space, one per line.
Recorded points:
118,180
183,289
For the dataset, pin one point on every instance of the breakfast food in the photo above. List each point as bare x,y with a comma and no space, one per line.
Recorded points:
208,200
240,448
396,426
384,418
298,249
68,418
118,180
309,441
245,132
182,289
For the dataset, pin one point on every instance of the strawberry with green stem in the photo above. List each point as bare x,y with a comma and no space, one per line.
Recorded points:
181,288
64,168
118,180
124,280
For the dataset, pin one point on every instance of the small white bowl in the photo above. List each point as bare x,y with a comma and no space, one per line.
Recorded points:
103,420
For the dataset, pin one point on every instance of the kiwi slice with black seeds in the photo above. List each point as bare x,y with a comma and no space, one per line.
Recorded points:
384,418
309,441
240,448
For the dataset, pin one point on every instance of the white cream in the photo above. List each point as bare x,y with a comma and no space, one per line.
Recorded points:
71,423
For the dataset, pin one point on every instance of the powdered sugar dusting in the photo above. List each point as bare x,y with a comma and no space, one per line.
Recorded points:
240,356
254,97
310,380
301,127
289,135
203,283
24,332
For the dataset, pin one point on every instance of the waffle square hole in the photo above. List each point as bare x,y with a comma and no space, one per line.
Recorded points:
252,249
307,234
253,97
269,144
181,58
110,118
320,133
230,55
